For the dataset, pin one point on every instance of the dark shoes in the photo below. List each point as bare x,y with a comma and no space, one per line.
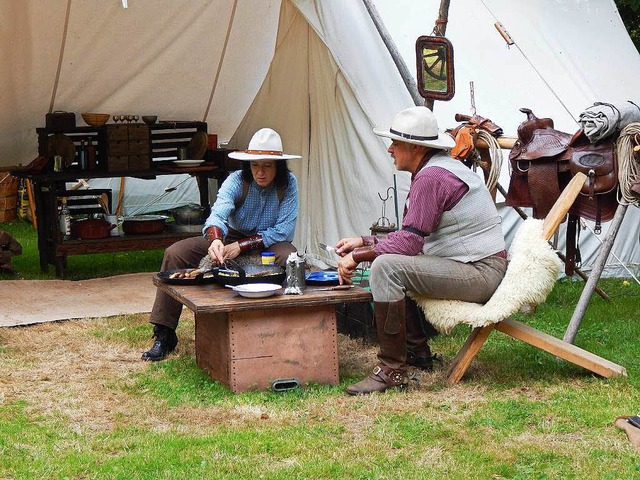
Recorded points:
381,379
165,343
423,363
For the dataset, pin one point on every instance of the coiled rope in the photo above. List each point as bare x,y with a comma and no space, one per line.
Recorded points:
495,152
628,164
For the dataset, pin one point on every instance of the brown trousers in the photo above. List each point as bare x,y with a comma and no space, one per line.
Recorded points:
187,253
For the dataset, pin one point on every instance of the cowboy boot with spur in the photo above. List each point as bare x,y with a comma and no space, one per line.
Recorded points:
392,338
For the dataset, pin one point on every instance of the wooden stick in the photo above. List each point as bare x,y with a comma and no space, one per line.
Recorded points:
562,205
503,141
598,267
32,209
120,197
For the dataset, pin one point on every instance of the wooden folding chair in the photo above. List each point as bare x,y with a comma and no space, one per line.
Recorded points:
529,279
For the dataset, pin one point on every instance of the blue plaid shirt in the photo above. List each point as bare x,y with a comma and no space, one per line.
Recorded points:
261,213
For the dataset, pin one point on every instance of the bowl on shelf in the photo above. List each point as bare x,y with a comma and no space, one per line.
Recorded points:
149,119
95,119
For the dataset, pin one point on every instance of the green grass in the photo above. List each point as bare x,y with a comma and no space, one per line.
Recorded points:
76,403
80,267
518,414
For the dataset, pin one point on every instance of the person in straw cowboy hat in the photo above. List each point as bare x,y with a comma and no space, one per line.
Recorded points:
450,246
256,208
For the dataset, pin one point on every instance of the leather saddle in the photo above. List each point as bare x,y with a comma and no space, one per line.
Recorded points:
544,159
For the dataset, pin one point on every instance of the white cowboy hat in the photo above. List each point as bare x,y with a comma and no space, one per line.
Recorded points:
264,145
417,125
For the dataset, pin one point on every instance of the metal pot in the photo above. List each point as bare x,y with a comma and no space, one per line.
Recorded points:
189,215
144,224
91,228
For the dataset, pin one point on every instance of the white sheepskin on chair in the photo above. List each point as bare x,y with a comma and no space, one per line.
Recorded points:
532,272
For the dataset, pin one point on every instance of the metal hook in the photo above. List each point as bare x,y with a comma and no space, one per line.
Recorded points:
388,195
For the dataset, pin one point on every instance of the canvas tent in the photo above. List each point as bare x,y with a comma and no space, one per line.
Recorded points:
316,71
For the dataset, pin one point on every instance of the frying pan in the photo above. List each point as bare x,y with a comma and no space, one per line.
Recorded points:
231,273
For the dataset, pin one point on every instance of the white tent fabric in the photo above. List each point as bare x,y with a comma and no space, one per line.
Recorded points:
317,72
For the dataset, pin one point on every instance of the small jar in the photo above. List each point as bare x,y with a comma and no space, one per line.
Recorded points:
268,258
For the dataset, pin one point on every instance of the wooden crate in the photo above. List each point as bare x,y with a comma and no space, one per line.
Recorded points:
253,349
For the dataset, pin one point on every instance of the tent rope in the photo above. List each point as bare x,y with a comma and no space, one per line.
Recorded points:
534,68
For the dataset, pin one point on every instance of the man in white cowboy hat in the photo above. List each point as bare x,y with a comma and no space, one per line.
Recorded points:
256,208
450,246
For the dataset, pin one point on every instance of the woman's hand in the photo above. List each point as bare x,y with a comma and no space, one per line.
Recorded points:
344,246
232,250
346,269
216,251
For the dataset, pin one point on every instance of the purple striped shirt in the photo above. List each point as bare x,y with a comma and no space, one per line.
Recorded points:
433,191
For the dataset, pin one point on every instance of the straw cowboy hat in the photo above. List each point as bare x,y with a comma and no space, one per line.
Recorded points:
417,125
264,145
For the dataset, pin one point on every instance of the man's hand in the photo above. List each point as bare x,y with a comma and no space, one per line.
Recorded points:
346,269
344,246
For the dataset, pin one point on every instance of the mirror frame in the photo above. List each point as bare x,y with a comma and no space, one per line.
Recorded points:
435,42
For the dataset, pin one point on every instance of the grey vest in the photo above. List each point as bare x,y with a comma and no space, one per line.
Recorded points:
471,230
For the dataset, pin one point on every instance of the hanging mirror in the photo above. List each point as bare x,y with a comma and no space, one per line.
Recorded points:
434,61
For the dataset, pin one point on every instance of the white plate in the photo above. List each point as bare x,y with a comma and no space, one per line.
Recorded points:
187,163
256,290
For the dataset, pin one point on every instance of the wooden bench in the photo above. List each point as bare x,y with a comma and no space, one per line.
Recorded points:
260,343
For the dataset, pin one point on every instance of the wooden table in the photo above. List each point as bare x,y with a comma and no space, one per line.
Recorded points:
258,343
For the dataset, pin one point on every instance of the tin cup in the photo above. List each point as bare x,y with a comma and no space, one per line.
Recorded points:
113,220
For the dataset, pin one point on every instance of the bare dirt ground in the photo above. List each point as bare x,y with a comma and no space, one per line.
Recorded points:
64,367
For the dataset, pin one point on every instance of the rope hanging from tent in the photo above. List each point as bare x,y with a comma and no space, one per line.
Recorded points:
628,164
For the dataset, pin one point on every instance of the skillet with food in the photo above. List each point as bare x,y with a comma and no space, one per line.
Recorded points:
231,273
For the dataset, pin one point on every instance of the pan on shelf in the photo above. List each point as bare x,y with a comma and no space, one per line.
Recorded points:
197,146
62,145
144,224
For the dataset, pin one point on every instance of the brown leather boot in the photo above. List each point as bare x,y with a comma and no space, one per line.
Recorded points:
379,380
419,331
392,339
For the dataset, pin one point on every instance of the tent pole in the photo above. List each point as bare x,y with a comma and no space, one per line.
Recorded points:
596,272
439,30
406,75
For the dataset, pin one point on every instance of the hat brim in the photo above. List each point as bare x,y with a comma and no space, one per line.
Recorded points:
443,142
252,156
